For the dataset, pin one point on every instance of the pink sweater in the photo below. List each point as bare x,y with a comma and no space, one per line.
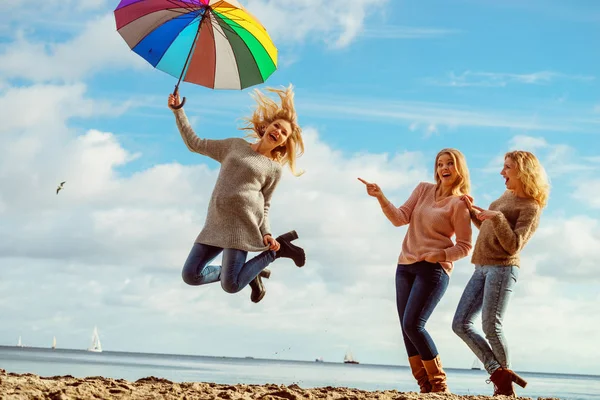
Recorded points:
431,226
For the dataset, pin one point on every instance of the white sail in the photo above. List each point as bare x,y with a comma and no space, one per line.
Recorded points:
54,342
19,343
96,345
476,364
348,357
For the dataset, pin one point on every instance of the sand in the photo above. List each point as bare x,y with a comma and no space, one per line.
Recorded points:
30,386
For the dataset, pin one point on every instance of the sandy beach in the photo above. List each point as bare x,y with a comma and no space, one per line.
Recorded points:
30,386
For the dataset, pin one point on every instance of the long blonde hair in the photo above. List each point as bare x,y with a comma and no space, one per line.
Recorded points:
268,111
462,184
532,175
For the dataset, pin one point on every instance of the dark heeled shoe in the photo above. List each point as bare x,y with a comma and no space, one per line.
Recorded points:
288,250
258,289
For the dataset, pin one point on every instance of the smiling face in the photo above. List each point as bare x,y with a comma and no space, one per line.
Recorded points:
276,134
446,170
511,176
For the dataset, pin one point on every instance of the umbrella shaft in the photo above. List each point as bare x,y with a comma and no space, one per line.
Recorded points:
191,48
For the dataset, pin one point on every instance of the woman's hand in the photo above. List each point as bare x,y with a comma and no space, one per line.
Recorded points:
435,256
174,101
472,207
373,189
273,244
487,214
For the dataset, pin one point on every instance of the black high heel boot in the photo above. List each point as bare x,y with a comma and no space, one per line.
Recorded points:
288,250
258,289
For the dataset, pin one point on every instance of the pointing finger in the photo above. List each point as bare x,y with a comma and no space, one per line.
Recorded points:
363,181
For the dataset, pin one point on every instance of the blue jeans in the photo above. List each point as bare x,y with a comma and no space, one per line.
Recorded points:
419,289
235,273
488,293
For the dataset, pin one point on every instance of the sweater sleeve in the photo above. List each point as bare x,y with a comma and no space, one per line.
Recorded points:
267,191
513,240
461,220
476,221
401,215
215,149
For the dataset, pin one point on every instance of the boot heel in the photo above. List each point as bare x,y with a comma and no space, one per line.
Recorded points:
290,236
265,273
518,380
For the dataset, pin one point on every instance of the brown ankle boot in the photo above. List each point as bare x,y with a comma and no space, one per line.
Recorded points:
420,373
436,375
258,289
503,379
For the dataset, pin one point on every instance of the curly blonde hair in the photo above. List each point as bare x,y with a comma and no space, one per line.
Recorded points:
532,175
462,184
268,111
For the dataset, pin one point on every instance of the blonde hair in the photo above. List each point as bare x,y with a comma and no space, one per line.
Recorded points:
462,184
532,175
268,111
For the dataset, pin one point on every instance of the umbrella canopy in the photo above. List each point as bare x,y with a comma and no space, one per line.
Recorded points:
213,43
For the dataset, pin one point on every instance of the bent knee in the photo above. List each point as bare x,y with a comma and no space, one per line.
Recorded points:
230,287
188,277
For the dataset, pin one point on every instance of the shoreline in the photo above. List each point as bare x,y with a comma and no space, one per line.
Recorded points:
30,386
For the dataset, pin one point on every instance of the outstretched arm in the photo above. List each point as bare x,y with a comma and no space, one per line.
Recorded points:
215,149
397,216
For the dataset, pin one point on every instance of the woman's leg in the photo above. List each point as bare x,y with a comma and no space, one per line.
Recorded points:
404,283
196,271
469,307
499,285
236,273
429,286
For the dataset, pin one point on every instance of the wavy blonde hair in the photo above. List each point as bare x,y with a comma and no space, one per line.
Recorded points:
268,111
462,184
532,175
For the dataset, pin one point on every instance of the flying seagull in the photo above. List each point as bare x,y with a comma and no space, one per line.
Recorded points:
60,187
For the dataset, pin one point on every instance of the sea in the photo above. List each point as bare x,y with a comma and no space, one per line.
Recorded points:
228,370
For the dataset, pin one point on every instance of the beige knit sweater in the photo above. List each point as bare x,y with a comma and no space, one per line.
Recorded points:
502,238
238,212
431,226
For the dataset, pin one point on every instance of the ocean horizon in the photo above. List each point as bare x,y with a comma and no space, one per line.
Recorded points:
132,366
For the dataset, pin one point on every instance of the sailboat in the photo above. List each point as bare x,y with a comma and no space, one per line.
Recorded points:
19,343
96,347
476,364
54,343
349,358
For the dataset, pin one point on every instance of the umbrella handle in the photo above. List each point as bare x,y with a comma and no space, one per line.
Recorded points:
182,100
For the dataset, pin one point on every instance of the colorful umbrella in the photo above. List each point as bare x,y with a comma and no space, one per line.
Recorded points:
213,43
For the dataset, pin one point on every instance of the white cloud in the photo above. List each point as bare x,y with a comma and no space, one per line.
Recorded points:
501,79
415,113
405,32
588,192
94,49
334,22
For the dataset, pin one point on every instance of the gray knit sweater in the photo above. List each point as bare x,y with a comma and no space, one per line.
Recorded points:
238,212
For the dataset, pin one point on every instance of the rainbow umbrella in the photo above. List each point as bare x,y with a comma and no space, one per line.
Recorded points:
213,43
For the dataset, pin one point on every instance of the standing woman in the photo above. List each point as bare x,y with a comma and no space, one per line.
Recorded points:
238,213
434,213
504,230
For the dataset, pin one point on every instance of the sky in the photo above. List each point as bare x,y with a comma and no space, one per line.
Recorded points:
381,86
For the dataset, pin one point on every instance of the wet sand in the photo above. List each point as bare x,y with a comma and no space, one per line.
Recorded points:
30,386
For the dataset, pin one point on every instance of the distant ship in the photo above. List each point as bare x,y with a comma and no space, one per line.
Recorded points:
476,364
320,359
349,358
54,343
19,343
96,347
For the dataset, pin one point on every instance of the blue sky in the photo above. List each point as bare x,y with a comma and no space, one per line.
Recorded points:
380,86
